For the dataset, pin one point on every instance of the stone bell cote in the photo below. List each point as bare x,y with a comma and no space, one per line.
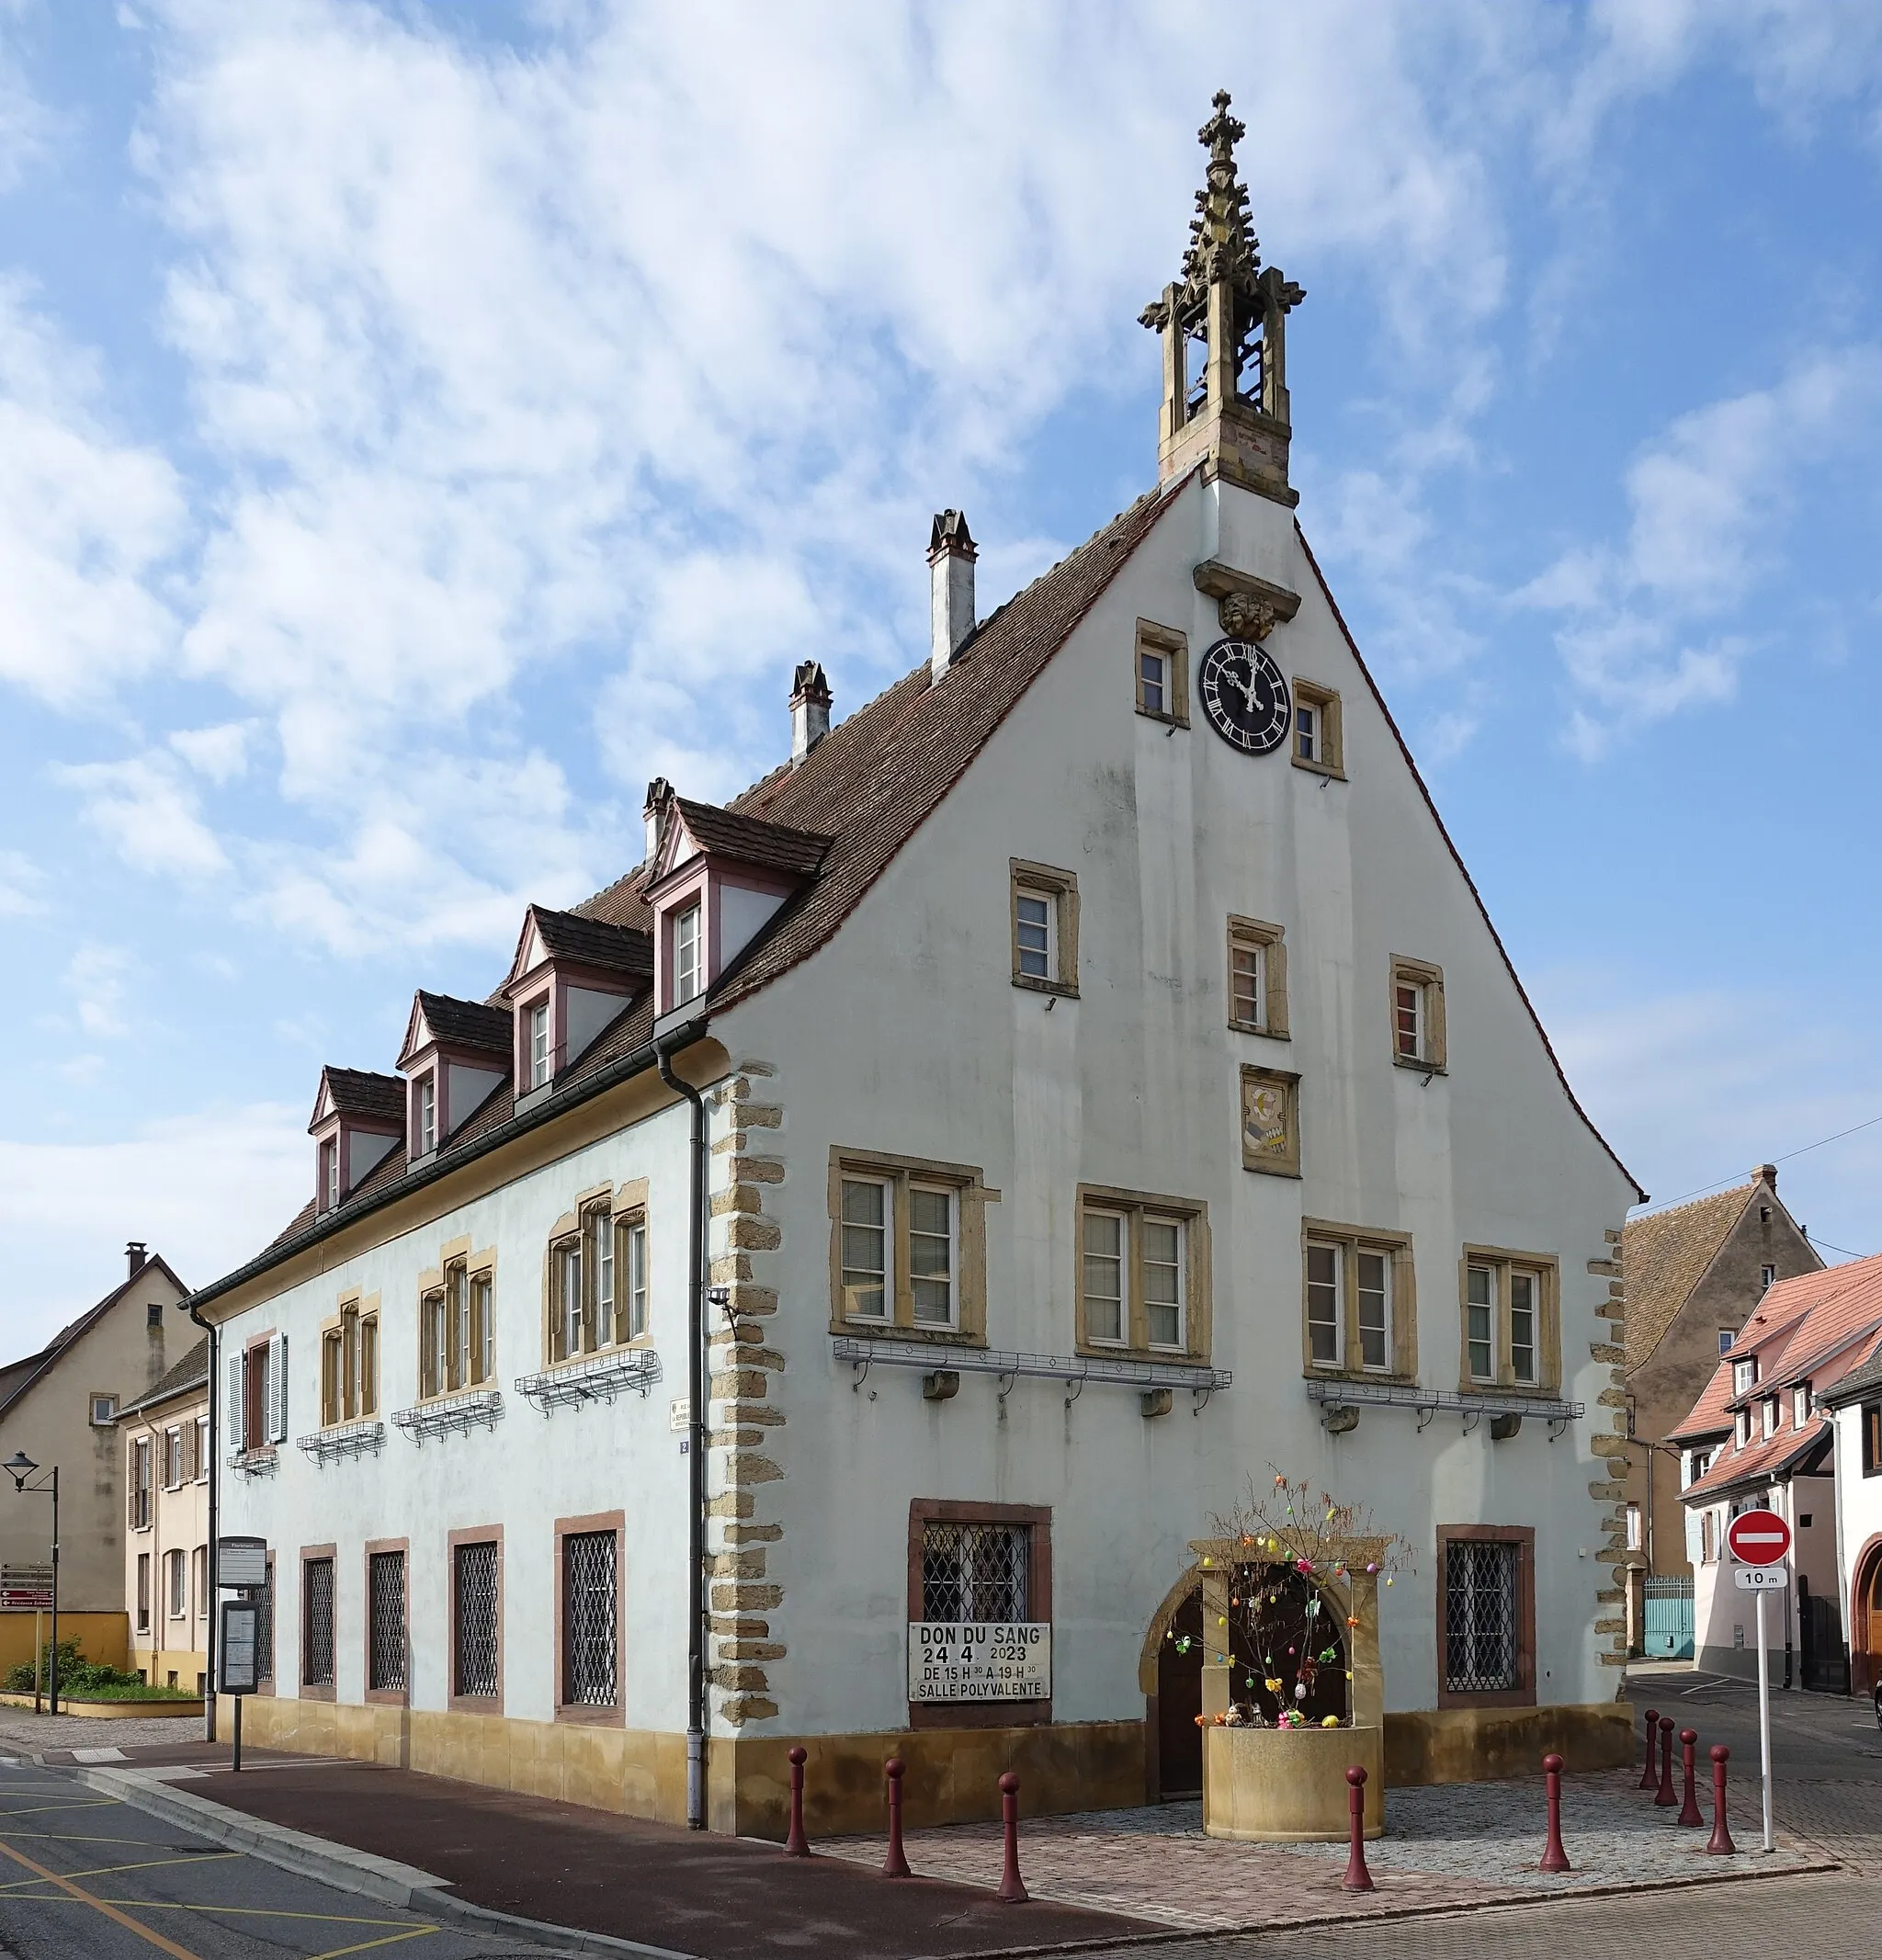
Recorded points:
1223,326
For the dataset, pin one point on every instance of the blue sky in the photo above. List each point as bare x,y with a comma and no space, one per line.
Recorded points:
421,425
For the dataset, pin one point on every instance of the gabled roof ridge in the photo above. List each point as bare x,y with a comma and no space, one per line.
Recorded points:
74,1330
1660,1280
1464,870
1645,1215
191,1372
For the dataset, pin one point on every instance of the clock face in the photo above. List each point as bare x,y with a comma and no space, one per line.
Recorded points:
1245,696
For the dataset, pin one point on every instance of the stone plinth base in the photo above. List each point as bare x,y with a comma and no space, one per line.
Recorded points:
1288,1786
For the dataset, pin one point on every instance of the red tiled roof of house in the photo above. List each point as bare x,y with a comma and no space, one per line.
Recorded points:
1767,1458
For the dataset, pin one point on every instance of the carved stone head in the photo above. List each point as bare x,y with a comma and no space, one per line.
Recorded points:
1245,617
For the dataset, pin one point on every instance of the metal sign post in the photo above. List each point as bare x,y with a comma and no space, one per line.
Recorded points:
1759,1541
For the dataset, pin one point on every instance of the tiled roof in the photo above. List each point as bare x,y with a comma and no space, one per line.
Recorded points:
593,942
1858,1382
1767,1458
1816,1327
25,1373
1665,1255
466,1023
751,840
191,1372
362,1093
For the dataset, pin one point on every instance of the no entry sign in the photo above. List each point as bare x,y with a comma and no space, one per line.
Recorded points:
1758,1537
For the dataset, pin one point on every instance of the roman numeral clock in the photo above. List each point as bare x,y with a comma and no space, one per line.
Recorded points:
1245,695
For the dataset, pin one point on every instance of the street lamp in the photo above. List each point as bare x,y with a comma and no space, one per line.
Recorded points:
19,1467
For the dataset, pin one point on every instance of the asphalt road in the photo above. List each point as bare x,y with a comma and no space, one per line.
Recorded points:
85,1877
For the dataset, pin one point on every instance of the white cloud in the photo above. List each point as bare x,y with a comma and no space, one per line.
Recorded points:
1711,506
147,811
95,985
206,1189
221,754
20,883
88,520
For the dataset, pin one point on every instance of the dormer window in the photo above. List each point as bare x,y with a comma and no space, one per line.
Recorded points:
1744,1376
538,1044
428,1114
330,1173
1741,1429
359,1120
1770,1417
689,951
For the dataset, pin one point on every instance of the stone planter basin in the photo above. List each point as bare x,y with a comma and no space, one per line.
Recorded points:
1288,1786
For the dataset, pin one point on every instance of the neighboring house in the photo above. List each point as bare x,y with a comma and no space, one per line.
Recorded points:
1761,1434
1113,1089
1854,1404
1694,1274
60,1406
167,1459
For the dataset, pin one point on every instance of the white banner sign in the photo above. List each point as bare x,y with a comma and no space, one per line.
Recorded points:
986,1660
1760,1578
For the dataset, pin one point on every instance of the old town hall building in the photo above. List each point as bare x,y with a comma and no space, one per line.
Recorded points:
926,1189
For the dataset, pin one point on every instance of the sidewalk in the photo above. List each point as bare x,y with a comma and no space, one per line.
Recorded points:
682,1892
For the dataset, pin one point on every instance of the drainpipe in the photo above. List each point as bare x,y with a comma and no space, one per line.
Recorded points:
696,1452
208,1637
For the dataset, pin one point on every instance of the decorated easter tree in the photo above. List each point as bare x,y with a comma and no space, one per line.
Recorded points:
1289,1600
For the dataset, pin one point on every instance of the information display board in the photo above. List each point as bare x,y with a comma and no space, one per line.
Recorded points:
236,1651
982,1660
241,1562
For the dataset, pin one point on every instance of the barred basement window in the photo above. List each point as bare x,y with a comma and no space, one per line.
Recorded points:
317,1623
385,1589
473,1580
589,1601
265,1629
975,1572
1481,1617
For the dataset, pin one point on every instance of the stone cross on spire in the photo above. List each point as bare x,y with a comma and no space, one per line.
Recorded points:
1234,416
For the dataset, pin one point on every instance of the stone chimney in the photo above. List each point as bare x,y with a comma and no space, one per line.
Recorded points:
1765,1174
810,709
659,795
951,555
136,1256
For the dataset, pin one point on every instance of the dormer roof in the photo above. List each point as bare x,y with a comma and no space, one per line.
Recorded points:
742,840
455,1024
378,1100
578,941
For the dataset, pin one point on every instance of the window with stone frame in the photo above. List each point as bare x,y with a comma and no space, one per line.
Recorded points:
598,1282
1510,1319
1257,978
1161,667
588,1580
1418,1033
908,1247
1486,1612
1359,1302
457,1340
978,1564
349,1367
1318,731
1143,1273
1043,904
317,1605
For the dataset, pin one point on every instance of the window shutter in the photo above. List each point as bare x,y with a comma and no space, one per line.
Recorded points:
278,1388
231,1408
130,1488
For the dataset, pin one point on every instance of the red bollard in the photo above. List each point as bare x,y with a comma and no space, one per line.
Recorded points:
1720,1841
895,1865
1689,1810
1011,1889
1648,1779
1663,1796
1357,1879
796,1844
1554,1856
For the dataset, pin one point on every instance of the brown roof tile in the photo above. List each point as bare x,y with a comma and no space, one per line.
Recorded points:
1665,1255
364,1093
467,1024
589,941
751,840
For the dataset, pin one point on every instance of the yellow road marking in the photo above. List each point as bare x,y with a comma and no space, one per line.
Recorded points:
148,1865
258,1912
77,1803
105,1906
365,1946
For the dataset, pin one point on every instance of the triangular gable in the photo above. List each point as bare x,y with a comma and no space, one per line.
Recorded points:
418,1035
677,844
322,1103
530,951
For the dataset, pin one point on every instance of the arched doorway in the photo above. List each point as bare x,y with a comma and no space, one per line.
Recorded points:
1866,1620
1179,1703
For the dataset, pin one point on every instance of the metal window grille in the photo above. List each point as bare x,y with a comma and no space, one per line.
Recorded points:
1480,1615
975,1572
263,1630
474,1579
317,1623
589,1603
386,1604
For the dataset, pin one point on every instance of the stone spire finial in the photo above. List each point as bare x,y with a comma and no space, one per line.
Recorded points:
1234,418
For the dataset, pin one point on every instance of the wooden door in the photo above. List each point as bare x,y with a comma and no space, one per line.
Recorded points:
1179,1702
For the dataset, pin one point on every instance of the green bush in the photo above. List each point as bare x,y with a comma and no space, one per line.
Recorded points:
76,1673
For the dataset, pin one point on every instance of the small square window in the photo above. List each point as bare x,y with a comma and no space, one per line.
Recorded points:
153,1313
1318,734
1257,978
1725,1337
1744,1376
1044,914
1417,1014
1163,673
104,1410
1767,1278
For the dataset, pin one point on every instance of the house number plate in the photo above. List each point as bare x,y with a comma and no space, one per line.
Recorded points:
987,1661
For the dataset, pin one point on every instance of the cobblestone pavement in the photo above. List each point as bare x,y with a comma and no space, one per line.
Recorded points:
1831,1917
1451,1845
